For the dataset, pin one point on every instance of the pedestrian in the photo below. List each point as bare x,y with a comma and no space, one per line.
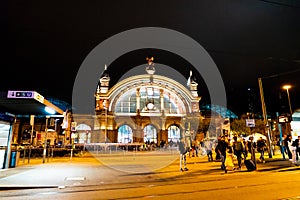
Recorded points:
245,151
183,150
251,146
286,141
218,156
196,146
229,158
297,145
261,145
222,148
208,145
292,149
238,149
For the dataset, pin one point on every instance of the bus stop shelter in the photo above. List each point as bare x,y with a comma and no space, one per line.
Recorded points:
13,103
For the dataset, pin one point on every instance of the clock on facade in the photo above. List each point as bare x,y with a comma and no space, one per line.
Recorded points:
150,106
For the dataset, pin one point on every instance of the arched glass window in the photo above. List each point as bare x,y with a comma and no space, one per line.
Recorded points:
173,133
127,102
125,134
150,134
149,101
83,133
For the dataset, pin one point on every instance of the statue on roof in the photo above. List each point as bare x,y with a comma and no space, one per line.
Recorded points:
105,74
150,69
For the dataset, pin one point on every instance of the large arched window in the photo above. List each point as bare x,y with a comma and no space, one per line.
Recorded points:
149,101
150,134
83,134
125,134
173,133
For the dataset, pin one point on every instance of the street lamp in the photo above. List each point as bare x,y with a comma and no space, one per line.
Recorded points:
287,87
106,109
105,136
45,139
264,110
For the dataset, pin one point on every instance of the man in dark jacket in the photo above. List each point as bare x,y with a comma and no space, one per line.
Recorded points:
286,141
238,148
296,144
222,148
261,144
251,145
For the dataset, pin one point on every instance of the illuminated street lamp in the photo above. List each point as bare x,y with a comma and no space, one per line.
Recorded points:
45,139
105,130
105,136
287,87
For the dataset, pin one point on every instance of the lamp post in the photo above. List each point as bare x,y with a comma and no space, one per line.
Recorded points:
105,130
105,136
45,139
287,87
31,136
264,110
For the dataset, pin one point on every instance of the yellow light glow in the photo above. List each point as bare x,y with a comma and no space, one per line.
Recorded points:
286,87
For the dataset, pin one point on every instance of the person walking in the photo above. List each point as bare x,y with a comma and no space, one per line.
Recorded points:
222,148
196,146
183,150
286,142
229,158
245,151
238,149
218,156
251,146
297,145
261,144
208,145
292,148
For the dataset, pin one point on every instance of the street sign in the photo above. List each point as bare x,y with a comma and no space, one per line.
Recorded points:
17,94
250,122
283,119
20,94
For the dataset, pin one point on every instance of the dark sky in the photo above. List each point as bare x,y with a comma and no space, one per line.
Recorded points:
43,43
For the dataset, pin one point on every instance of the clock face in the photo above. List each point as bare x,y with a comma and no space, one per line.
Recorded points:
150,106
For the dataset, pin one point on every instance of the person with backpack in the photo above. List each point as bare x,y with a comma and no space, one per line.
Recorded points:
238,148
222,148
261,145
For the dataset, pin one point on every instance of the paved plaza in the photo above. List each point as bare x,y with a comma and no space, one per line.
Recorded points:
94,169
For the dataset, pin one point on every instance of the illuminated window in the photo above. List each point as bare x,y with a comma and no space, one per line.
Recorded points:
150,134
173,133
125,134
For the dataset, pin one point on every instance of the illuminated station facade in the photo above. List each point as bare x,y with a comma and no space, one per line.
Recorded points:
145,108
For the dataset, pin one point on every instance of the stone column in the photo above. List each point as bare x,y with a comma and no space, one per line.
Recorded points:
161,100
138,100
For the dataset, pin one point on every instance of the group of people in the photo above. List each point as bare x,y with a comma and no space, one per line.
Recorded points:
226,149
291,148
194,150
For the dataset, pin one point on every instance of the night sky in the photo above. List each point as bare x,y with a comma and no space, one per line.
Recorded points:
43,44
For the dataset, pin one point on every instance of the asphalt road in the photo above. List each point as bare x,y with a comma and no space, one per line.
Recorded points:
153,175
